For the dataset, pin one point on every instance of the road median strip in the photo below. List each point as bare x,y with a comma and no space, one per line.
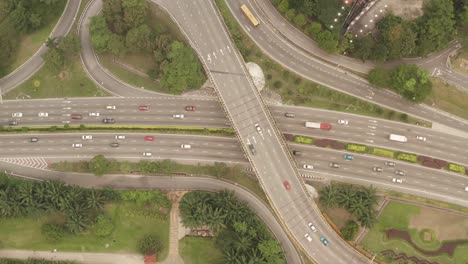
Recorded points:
227,132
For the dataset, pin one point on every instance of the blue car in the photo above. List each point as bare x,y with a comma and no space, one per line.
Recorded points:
348,156
324,240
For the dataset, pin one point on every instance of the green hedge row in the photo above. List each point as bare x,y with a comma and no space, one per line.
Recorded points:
456,168
407,157
383,152
303,140
357,148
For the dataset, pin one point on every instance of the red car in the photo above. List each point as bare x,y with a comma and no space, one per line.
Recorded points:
287,185
325,126
143,107
190,108
76,116
149,138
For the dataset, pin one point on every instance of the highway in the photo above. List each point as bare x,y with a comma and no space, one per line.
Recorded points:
360,130
58,146
271,42
168,183
425,182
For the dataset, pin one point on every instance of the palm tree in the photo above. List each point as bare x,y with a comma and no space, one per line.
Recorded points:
367,218
215,218
358,207
255,257
54,193
26,194
94,200
346,196
329,196
76,222
230,257
242,243
5,208
51,42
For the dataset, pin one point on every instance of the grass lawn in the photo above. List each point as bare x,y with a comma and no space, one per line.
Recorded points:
448,98
396,215
30,43
72,82
427,201
130,226
298,91
199,250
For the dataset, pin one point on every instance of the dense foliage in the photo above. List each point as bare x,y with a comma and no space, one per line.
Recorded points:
240,234
123,28
349,230
408,80
17,18
395,37
34,261
359,201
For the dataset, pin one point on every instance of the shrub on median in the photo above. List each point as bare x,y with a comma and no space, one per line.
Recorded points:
407,157
456,168
383,152
356,148
303,140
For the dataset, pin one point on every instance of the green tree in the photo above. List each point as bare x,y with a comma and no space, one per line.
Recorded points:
329,196
300,20
99,165
77,222
113,12
139,38
349,230
183,70
116,45
134,12
100,34
411,82
363,47
314,28
149,245
283,6
271,251
70,45
327,41
94,200
380,77
436,26
54,59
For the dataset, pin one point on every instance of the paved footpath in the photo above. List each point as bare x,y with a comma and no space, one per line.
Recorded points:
173,256
88,258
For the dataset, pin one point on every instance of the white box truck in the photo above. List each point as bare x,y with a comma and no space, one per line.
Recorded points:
398,138
323,126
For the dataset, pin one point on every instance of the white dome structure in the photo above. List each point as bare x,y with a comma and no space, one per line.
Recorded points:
257,75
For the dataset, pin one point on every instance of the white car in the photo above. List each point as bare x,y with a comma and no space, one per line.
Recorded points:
87,137
110,107
312,227
18,114
77,145
466,189
308,167
397,180
307,236
147,154
186,146
258,128
43,114
178,116
421,138
94,114
343,122
120,137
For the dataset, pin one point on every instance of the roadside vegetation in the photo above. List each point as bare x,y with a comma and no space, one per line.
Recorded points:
100,165
239,234
408,80
127,27
34,261
24,26
448,97
359,201
395,37
44,215
295,90
63,74
226,132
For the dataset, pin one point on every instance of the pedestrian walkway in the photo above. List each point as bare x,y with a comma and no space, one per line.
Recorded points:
173,256
88,258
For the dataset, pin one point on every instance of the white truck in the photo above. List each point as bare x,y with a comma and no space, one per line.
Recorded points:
398,138
323,126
